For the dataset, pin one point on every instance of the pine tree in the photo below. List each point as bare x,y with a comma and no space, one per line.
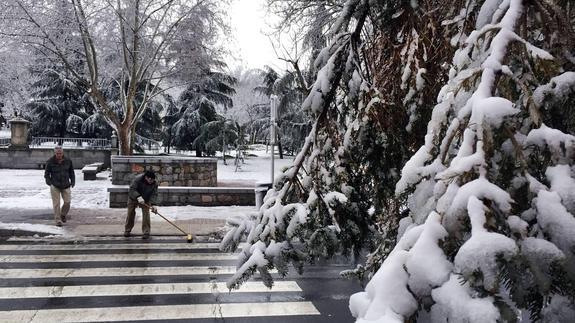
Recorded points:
489,232
59,107
218,135
197,107
249,106
292,122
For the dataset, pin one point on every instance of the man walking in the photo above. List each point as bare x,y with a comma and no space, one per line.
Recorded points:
59,175
143,193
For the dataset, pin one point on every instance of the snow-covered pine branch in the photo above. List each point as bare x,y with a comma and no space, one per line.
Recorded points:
489,236
289,228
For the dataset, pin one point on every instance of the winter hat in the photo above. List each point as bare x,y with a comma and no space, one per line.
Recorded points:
150,174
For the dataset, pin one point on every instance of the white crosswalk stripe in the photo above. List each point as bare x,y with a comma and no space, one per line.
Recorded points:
133,246
141,289
116,271
119,257
169,312
119,291
85,239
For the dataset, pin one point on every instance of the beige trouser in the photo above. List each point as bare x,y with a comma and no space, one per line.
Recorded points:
132,205
66,195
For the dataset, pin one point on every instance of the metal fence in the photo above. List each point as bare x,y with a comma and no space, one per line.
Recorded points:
149,145
76,143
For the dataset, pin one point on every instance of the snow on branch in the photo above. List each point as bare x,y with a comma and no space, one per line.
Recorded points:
459,258
278,236
557,89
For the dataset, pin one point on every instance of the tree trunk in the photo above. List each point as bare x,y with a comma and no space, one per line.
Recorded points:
121,127
169,141
224,143
279,142
132,140
124,137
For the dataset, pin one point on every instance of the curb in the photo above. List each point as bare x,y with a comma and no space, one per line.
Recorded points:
7,233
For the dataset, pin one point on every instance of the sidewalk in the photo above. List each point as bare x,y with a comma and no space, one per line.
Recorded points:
100,222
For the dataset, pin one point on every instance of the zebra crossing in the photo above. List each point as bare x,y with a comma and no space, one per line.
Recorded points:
108,280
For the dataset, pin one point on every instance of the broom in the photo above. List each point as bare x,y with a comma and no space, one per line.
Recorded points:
190,238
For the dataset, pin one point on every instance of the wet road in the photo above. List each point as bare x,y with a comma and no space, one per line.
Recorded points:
167,280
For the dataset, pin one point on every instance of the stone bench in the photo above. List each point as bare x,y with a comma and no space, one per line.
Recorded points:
183,195
91,170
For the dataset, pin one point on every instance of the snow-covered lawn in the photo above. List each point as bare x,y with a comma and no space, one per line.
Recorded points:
26,189
256,168
23,191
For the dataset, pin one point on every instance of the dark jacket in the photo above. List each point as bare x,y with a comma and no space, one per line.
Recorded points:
61,175
139,187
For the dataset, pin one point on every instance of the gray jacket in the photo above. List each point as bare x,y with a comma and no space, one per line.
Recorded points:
139,187
61,175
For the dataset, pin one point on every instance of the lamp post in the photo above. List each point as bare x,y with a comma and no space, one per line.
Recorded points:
273,117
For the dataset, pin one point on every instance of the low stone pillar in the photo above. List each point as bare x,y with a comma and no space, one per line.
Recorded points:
19,133
114,140
114,144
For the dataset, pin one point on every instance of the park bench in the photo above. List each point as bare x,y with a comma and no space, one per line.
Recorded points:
91,170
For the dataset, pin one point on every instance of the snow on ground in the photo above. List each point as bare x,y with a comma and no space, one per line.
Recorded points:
50,229
256,167
25,189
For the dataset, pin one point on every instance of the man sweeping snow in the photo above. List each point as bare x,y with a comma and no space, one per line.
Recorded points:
143,193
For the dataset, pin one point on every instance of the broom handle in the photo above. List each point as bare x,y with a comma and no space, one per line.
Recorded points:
163,217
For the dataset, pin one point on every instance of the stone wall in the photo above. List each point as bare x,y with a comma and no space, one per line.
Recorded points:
200,196
35,158
170,170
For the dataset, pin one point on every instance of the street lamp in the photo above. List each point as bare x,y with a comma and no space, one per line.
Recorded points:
273,117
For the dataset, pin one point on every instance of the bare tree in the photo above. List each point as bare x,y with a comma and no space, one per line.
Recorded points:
133,45
15,78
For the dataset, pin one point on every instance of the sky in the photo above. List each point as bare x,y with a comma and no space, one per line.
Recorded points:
250,45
